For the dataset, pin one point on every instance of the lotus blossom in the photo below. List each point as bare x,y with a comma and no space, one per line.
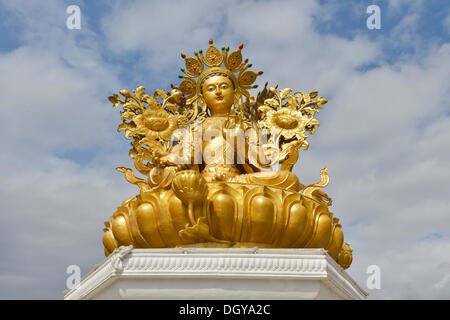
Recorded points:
287,122
156,124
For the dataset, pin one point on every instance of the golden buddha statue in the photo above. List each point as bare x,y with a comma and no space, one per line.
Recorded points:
209,152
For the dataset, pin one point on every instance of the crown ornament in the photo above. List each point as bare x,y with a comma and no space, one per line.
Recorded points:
205,64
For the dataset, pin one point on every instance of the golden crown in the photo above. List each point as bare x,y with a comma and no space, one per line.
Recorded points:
235,69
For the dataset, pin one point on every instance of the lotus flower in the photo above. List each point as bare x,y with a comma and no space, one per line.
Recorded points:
190,187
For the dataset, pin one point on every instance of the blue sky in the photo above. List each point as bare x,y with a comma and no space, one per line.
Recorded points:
384,133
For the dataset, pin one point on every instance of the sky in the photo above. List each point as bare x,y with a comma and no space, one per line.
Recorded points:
384,133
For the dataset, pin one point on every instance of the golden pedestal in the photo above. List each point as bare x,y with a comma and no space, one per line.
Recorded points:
228,215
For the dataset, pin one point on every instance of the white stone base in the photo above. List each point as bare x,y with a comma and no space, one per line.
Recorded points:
217,274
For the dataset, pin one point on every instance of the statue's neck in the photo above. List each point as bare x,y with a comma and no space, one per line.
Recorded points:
219,111
220,114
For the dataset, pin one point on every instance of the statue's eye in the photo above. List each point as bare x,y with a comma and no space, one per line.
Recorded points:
210,88
224,86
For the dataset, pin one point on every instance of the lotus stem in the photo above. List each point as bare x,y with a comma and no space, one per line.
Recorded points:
191,212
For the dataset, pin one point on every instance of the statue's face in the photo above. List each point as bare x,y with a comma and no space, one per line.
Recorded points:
218,93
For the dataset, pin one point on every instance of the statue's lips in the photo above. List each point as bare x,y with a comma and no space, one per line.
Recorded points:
219,98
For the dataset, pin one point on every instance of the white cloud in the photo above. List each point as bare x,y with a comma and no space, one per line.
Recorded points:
54,90
402,6
161,30
446,24
444,282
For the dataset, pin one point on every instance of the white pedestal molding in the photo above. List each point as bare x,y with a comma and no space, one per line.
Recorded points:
217,273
